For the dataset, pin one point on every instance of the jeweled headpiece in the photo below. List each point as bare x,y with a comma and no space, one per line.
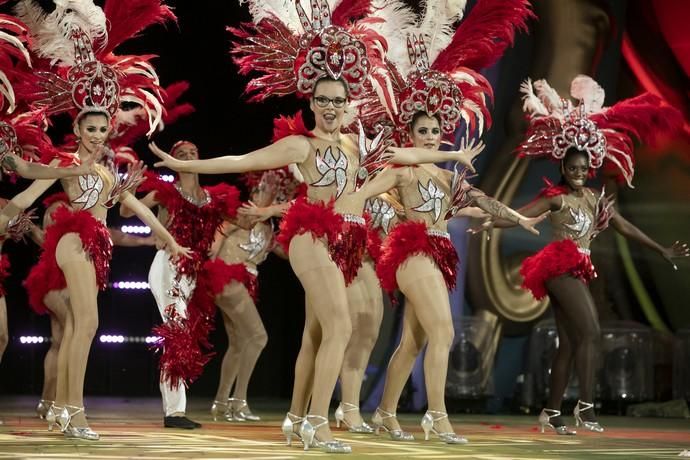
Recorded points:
605,134
293,51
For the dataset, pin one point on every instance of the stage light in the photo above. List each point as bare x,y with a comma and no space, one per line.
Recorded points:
119,338
136,229
167,177
628,362
129,285
32,339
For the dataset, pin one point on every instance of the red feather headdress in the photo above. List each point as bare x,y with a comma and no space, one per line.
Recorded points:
435,69
605,133
292,51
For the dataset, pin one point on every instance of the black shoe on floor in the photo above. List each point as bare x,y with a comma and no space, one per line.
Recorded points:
180,422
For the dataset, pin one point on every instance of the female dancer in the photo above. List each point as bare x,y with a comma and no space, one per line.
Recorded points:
231,277
77,246
57,301
316,225
582,139
437,89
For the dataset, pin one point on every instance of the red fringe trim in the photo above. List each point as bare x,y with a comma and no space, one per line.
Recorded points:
555,259
4,273
46,276
192,226
217,274
408,239
348,249
374,243
304,217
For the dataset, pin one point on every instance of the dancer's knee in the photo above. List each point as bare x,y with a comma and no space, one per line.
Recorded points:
442,336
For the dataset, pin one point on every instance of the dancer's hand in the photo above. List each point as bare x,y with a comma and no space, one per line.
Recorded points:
483,227
178,251
528,223
467,153
168,160
677,249
249,209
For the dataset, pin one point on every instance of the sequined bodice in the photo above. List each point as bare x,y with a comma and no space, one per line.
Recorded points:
90,192
250,247
576,218
330,168
383,214
426,195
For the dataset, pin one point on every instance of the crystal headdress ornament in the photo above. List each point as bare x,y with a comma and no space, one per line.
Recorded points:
292,50
434,65
605,133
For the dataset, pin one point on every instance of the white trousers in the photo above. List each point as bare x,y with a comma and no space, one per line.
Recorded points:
169,292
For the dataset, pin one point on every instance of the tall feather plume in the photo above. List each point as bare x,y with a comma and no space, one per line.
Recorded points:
51,32
585,89
437,24
549,97
347,11
530,102
398,21
276,9
484,34
127,18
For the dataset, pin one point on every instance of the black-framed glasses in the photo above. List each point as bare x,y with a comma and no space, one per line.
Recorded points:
323,101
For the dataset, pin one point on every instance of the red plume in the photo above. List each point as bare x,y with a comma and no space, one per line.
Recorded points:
285,126
349,11
484,34
129,17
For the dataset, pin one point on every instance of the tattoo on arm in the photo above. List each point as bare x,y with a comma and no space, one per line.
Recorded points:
496,208
9,163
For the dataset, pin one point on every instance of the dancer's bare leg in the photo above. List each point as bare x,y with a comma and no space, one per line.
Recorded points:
56,301
253,338
560,366
422,282
83,291
4,335
231,359
304,366
324,288
412,342
366,312
582,325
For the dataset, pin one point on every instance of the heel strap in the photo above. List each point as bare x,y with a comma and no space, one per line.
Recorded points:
220,403
442,415
76,409
583,406
552,412
242,402
350,407
385,414
294,418
323,421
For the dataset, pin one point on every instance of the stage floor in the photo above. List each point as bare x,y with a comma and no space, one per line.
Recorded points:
132,428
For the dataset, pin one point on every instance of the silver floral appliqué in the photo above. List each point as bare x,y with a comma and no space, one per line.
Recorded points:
432,196
332,170
91,186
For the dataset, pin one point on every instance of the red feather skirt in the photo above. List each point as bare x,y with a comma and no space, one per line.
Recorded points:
411,238
374,244
346,236
555,259
217,274
4,273
46,276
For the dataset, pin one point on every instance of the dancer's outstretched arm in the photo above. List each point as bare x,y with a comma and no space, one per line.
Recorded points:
290,149
149,201
505,213
148,218
628,230
30,170
23,200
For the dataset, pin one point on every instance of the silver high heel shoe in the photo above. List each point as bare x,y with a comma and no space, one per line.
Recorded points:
54,415
428,426
591,426
222,410
43,407
545,420
242,411
64,419
363,428
396,435
308,434
289,427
